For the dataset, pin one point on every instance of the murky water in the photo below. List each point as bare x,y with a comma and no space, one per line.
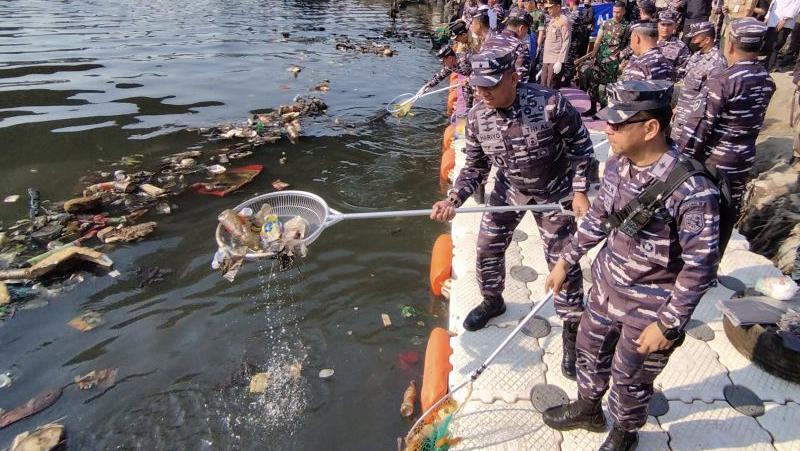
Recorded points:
84,83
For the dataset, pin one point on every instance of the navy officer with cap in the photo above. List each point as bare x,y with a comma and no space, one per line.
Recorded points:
541,149
722,128
647,62
650,272
671,47
705,61
452,61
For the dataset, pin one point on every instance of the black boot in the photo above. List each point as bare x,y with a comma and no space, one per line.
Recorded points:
481,314
590,112
583,414
568,336
620,440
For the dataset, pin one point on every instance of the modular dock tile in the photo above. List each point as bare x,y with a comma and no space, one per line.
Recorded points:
744,372
552,360
503,426
693,373
717,426
782,421
707,310
512,375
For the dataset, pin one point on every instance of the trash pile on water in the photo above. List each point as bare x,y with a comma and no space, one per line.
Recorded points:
261,232
346,44
41,254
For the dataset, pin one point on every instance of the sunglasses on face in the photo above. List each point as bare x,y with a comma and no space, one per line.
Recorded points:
621,125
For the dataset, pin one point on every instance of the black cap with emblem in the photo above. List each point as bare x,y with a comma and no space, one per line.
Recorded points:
445,51
626,98
457,27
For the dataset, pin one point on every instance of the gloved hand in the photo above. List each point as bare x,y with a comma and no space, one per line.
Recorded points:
557,68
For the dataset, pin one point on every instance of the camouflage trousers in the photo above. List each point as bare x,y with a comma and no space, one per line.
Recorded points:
555,228
593,78
736,163
606,350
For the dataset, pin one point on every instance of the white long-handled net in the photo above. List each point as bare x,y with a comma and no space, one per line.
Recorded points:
313,209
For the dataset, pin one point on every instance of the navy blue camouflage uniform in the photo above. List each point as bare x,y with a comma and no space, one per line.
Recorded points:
729,113
658,275
651,65
542,151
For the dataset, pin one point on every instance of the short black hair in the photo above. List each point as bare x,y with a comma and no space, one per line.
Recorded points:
482,19
663,115
712,33
648,8
517,21
619,5
650,32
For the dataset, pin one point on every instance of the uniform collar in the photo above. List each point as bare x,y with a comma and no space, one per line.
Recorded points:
659,170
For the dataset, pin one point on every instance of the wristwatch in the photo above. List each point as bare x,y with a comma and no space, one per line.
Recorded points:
670,334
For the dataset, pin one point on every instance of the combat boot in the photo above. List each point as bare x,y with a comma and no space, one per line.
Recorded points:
620,440
580,414
568,336
481,314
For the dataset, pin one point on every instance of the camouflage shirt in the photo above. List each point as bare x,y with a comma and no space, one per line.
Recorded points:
652,65
676,51
662,272
509,42
463,67
726,118
616,36
699,68
536,142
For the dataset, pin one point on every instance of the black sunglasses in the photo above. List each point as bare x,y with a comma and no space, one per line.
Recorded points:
618,127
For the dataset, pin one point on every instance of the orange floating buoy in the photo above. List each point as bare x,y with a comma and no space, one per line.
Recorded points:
437,368
449,135
452,98
453,78
441,262
448,164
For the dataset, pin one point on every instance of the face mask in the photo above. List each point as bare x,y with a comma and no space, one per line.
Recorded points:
694,47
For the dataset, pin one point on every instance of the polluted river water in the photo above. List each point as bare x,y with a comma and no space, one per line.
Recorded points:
86,83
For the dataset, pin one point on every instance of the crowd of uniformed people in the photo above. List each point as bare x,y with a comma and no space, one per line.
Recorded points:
683,92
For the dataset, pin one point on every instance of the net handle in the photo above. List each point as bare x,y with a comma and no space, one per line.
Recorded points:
335,216
477,373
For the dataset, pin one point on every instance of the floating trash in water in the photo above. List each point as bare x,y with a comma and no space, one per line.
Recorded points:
103,379
386,320
11,199
86,321
326,373
44,438
258,384
5,380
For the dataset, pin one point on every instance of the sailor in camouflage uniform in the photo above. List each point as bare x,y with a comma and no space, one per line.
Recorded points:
576,43
728,114
541,149
458,62
705,61
671,47
603,67
507,39
648,280
647,62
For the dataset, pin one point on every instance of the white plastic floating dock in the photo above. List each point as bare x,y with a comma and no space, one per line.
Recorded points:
500,414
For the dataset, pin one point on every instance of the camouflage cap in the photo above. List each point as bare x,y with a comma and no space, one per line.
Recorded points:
457,27
626,98
489,66
748,30
445,51
699,28
668,16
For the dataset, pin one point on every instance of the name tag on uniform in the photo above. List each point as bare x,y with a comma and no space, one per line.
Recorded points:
496,136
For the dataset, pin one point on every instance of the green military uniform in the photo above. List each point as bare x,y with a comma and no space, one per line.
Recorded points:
604,69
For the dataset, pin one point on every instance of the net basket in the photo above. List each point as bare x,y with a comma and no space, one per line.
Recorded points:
285,205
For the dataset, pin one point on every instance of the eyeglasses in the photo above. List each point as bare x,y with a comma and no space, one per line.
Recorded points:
621,125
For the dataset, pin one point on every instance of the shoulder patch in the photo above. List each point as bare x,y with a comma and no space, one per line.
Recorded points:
694,221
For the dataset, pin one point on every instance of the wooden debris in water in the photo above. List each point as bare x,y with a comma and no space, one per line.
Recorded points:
409,400
44,438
